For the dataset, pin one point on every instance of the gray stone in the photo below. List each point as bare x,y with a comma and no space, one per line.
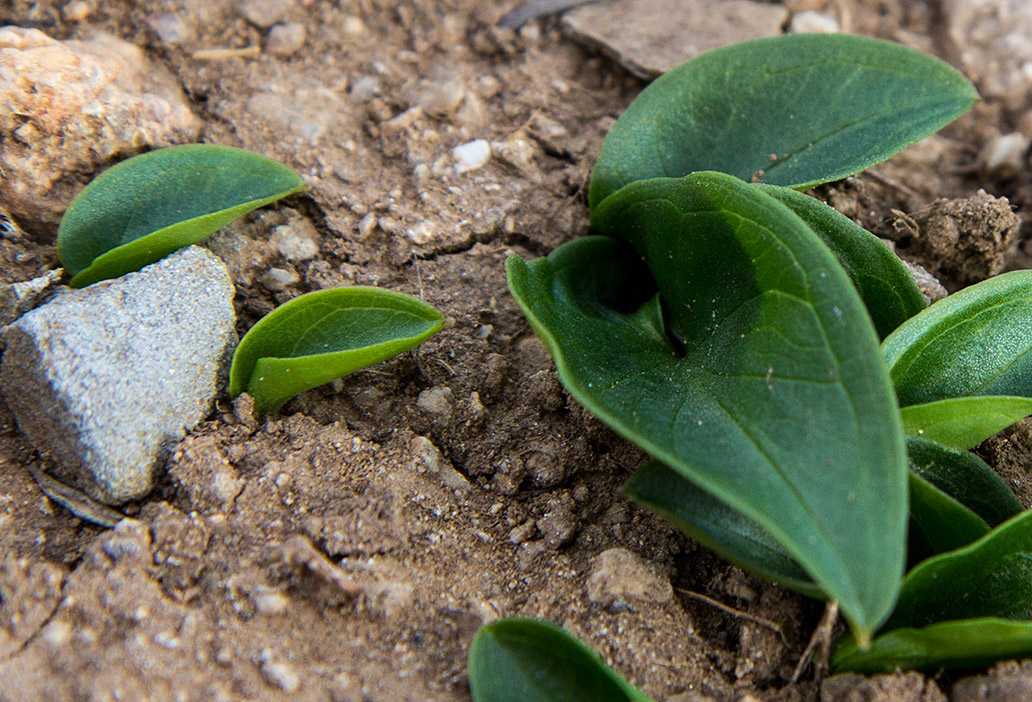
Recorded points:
18,298
286,39
106,378
649,37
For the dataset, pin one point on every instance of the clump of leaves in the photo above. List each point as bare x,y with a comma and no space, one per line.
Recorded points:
146,207
759,345
324,335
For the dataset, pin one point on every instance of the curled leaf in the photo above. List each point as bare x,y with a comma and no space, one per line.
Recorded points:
148,206
324,335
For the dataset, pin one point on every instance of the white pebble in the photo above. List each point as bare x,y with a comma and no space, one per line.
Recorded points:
813,22
281,675
277,279
471,155
286,39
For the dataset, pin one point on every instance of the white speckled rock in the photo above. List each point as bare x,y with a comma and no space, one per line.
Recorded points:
106,378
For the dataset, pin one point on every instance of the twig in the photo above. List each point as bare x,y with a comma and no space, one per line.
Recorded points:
737,613
78,503
821,638
222,54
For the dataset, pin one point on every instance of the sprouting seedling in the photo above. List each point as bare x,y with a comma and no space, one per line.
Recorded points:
324,335
743,351
148,206
526,660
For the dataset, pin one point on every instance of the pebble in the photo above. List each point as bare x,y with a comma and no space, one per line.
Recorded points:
264,13
471,156
76,11
429,458
354,26
171,28
18,298
286,39
281,675
1003,156
364,89
441,97
79,105
269,601
279,279
813,22
619,577
436,400
296,241
102,393
557,526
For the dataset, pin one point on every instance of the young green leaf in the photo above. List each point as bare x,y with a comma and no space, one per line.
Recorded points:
768,391
886,287
990,578
793,110
974,342
967,643
716,526
964,422
943,524
965,477
324,335
525,660
143,209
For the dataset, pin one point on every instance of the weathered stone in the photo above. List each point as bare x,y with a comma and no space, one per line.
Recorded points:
72,106
105,378
649,37
1009,681
619,577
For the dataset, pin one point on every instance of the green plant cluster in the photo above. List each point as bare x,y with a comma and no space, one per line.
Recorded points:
809,418
146,207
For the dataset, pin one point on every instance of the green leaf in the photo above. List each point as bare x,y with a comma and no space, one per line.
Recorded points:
964,422
886,287
768,391
324,335
967,643
716,526
143,209
974,342
794,110
943,523
525,660
965,477
990,578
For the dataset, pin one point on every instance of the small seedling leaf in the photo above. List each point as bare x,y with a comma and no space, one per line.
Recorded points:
324,335
716,526
967,643
974,342
768,391
964,422
886,287
965,477
525,660
989,578
793,110
148,206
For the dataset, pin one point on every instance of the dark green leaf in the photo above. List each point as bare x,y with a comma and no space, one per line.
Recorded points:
793,110
943,523
143,209
886,287
716,526
964,422
965,477
968,643
325,335
524,660
990,578
768,392
974,342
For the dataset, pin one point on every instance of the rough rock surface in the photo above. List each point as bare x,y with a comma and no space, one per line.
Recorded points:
73,106
649,37
619,577
102,379
1007,682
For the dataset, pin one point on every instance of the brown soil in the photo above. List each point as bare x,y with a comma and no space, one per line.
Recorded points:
348,547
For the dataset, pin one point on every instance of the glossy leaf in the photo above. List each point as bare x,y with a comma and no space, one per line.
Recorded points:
324,335
525,660
794,110
943,524
964,422
965,477
886,287
990,578
716,526
765,388
143,209
974,342
967,643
